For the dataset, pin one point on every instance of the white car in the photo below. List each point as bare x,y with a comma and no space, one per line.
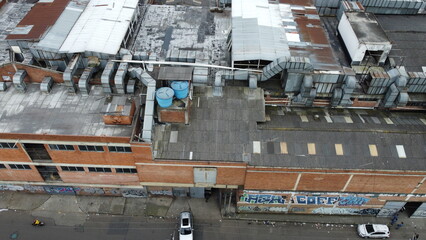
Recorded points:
373,231
185,226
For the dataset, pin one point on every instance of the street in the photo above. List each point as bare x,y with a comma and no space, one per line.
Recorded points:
17,225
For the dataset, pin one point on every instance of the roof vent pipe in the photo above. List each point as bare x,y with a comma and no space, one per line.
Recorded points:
18,80
150,83
70,71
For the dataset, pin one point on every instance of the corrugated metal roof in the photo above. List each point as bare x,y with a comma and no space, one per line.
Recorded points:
267,31
39,19
101,27
257,32
53,40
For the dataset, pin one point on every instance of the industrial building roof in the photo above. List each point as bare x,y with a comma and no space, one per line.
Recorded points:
237,127
56,113
267,31
42,16
257,32
101,27
54,38
408,39
367,28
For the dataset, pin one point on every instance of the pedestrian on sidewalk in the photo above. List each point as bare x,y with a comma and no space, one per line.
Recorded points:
416,236
394,219
399,225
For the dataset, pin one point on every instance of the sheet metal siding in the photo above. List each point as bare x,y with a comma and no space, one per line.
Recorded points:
42,16
60,30
101,28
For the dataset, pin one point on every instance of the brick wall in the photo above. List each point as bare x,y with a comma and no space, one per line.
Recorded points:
20,175
270,180
13,154
383,184
100,178
322,182
35,74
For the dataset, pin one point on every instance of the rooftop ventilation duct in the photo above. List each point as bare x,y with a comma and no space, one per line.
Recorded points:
120,76
70,71
46,85
148,118
106,77
18,80
83,83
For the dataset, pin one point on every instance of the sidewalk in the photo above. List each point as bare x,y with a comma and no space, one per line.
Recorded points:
70,210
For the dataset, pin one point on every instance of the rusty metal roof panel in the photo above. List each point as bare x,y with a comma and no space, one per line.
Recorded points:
41,17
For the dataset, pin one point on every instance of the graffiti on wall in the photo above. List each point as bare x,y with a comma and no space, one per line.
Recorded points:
341,201
11,188
255,198
346,211
59,190
34,188
262,209
134,193
161,192
90,191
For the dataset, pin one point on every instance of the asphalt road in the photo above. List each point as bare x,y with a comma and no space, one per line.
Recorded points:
17,225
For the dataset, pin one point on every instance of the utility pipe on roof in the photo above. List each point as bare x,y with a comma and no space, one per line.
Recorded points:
150,83
187,64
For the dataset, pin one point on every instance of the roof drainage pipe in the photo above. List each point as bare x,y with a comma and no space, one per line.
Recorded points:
282,63
150,83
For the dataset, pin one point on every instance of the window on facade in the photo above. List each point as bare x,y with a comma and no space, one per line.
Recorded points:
89,148
99,169
119,149
2,166
72,169
20,166
61,147
8,145
125,170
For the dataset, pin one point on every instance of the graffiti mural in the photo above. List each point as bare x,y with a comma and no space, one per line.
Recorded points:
255,198
34,189
11,188
90,191
59,190
346,211
134,193
262,209
161,192
341,201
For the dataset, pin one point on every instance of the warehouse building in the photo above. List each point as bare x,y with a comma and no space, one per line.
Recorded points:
154,106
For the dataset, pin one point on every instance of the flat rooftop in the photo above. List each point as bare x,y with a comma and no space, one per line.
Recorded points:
408,34
56,113
367,28
237,128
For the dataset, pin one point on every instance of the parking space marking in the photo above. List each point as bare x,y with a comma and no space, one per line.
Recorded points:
173,136
256,147
328,119
423,121
348,119
388,121
401,151
283,146
373,150
339,149
304,118
311,149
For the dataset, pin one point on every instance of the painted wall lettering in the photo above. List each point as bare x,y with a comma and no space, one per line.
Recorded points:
341,201
262,198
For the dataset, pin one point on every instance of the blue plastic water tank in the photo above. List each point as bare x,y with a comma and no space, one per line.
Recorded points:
164,97
180,88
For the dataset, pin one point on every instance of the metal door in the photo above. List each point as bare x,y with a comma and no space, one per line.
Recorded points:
420,212
205,177
390,209
197,192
